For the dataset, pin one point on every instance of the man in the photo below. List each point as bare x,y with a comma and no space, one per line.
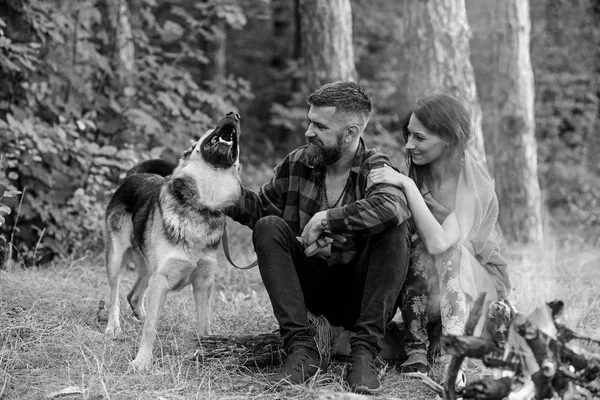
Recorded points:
320,189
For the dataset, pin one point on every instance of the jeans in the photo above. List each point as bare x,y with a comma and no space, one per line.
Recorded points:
360,296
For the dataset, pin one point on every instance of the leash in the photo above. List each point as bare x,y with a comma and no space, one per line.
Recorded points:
310,251
228,256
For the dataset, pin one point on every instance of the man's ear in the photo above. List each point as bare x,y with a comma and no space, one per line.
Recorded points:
352,132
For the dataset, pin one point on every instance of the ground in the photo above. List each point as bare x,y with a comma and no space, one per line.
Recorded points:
51,338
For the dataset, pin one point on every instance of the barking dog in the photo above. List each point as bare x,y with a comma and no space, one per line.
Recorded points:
173,225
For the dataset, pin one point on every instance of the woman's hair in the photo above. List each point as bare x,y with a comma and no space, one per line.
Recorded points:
446,117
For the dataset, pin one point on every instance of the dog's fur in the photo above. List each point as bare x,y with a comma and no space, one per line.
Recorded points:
172,226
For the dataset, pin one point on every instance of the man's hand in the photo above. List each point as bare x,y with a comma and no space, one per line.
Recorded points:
313,228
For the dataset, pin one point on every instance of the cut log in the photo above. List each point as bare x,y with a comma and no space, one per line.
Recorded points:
468,346
472,320
488,389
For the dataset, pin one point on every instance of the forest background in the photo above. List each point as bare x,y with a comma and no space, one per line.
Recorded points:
91,87
78,107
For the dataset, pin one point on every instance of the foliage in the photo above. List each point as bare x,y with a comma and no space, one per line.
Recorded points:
566,116
4,209
72,119
566,111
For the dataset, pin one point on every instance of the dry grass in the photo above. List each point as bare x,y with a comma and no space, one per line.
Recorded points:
563,268
50,338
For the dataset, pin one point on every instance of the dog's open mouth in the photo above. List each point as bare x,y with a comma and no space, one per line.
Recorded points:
226,136
220,148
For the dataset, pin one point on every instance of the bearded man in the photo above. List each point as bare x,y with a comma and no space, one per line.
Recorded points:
319,191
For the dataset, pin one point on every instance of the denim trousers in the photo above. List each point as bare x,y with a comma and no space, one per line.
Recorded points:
360,296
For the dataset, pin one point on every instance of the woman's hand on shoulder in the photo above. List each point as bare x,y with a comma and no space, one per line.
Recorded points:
387,175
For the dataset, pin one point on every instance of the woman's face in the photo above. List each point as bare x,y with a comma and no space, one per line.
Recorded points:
425,146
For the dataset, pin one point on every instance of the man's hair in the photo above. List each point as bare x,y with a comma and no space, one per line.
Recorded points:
347,97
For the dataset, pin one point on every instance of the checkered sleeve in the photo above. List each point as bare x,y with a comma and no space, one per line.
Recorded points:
383,206
269,200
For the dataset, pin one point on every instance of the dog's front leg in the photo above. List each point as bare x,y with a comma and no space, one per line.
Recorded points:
203,285
157,293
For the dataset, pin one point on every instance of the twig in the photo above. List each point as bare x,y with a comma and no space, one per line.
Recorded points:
4,385
12,234
37,245
432,384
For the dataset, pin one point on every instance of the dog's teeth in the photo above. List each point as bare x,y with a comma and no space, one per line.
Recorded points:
228,142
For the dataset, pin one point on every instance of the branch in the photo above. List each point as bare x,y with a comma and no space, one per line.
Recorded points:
474,315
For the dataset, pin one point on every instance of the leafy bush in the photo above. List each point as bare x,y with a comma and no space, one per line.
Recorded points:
566,113
73,118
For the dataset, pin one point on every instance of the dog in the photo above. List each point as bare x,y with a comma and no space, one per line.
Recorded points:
171,223
154,166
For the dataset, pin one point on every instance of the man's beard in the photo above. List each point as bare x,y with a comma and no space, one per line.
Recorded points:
319,156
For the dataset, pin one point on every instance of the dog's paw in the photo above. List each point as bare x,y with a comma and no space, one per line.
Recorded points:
141,365
113,331
140,314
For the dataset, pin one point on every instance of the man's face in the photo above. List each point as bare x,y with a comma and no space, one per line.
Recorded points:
325,136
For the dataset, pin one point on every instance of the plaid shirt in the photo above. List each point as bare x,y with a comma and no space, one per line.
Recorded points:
295,193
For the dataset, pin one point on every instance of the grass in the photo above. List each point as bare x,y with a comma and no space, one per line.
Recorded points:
51,339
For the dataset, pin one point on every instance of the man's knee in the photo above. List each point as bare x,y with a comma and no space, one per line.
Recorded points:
398,237
267,229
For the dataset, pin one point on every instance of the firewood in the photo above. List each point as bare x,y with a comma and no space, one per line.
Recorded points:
488,389
468,346
474,315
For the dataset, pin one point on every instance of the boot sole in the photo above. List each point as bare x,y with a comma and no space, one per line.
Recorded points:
365,390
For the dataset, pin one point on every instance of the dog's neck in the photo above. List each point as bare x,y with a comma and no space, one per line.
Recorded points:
213,189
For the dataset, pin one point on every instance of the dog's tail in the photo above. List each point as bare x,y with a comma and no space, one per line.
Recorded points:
153,166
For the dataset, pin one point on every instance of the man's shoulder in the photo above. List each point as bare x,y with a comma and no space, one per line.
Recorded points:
374,158
294,160
297,154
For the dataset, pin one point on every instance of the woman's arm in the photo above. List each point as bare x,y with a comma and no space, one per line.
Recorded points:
436,238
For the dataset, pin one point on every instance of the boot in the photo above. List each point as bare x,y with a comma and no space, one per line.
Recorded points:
302,363
362,374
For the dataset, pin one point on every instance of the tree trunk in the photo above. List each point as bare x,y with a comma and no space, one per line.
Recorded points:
327,41
123,52
216,52
435,57
594,150
120,46
504,76
283,19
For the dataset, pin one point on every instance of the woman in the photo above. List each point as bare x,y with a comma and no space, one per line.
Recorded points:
455,251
